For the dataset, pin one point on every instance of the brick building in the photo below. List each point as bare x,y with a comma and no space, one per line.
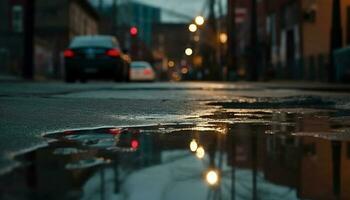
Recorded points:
294,37
59,21
316,35
278,38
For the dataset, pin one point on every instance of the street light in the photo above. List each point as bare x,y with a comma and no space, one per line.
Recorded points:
223,38
188,51
171,63
199,20
200,153
196,38
193,28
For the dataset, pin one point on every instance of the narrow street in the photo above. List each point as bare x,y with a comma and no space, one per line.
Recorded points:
174,100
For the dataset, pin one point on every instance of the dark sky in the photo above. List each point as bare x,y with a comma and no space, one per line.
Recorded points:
189,8
186,7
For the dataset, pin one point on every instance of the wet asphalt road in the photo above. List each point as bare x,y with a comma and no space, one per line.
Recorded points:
30,110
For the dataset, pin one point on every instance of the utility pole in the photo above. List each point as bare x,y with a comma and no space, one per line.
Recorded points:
232,150
221,52
28,38
253,73
336,164
231,40
254,149
213,30
115,17
212,23
336,37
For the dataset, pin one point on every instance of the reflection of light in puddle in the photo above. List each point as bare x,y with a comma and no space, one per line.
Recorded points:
81,164
161,162
115,131
67,151
193,146
200,153
152,117
212,177
222,130
330,135
134,144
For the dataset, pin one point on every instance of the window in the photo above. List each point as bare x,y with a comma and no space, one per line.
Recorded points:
348,25
17,18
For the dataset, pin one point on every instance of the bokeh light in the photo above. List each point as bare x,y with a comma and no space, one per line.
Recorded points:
188,51
192,27
199,20
212,177
193,146
200,153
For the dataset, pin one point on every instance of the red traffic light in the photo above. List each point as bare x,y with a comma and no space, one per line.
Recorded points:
135,144
133,31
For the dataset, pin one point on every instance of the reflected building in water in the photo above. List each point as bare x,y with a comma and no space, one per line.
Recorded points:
316,168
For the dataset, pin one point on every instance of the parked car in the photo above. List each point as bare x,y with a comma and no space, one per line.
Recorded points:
95,57
141,71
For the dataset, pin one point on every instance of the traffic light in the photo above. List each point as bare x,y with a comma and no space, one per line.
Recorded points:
133,31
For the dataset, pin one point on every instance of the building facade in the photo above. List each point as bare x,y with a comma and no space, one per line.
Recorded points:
56,22
11,36
294,38
141,16
167,49
317,34
120,16
59,21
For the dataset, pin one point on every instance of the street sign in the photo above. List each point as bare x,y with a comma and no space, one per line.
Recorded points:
240,15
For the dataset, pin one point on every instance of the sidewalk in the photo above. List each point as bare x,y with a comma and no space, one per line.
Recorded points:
10,78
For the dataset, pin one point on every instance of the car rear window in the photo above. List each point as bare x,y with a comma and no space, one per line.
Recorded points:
93,41
140,65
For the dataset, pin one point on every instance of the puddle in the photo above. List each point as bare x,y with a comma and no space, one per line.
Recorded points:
237,154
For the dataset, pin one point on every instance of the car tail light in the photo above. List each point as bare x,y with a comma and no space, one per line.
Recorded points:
115,131
68,132
68,53
147,72
113,53
134,144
